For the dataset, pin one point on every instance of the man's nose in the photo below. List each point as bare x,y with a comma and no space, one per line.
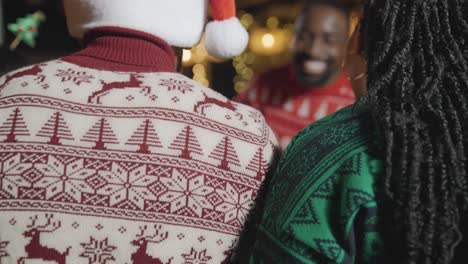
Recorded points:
316,48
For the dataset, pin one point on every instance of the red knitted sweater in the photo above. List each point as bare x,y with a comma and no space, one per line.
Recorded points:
288,107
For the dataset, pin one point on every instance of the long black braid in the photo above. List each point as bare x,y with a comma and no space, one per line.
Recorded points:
418,96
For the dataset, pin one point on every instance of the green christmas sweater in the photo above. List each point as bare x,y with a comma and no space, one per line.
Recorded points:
320,204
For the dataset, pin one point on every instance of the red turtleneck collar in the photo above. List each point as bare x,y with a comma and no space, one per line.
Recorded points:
127,50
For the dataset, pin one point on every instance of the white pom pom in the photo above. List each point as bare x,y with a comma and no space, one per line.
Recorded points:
226,39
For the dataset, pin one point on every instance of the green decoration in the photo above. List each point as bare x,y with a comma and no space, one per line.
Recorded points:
26,29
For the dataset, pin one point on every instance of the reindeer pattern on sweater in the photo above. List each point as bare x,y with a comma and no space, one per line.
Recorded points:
117,167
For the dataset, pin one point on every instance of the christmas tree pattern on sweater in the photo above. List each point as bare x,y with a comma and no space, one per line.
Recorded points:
113,167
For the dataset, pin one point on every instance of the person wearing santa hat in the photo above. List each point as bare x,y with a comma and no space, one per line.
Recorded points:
109,156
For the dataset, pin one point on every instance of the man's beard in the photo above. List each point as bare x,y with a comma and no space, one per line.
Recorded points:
308,81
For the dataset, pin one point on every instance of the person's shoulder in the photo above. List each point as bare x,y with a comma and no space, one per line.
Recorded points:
350,125
211,97
276,74
342,144
263,84
23,76
37,69
271,78
243,120
212,105
334,154
329,143
21,69
330,164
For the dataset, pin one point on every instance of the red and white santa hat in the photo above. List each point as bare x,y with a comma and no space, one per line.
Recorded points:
179,22
225,36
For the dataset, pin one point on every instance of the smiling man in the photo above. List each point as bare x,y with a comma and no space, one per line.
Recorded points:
314,84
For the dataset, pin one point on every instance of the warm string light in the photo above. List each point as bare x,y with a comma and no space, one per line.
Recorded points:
200,74
247,20
242,64
272,22
271,40
186,56
198,59
268,40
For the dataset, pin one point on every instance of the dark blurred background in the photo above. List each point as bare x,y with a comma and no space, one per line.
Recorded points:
270,23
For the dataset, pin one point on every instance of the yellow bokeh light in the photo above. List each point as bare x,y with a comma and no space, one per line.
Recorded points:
239,87
247,20
186,55
268,40
272,22
249,58
248,74
199,69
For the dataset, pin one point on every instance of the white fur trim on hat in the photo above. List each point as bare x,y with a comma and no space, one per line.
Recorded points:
178,22
226,38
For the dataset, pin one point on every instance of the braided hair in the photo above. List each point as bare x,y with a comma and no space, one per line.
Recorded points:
418,97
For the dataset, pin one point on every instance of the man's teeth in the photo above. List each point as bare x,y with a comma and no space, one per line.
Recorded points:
315,67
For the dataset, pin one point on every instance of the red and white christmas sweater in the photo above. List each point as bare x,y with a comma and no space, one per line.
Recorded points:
288,107
109,156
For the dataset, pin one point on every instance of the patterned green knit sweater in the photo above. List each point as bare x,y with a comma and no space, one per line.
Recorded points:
320,205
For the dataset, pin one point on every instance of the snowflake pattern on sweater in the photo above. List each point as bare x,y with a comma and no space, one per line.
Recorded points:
113,167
